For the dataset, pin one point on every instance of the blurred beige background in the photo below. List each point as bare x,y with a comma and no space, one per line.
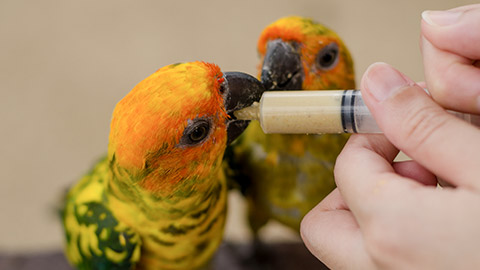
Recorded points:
65,64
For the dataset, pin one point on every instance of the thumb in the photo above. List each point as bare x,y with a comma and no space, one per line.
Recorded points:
415,124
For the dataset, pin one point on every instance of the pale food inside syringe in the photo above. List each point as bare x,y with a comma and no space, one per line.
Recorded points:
317,112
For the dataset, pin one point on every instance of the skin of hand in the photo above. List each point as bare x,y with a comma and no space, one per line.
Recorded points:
387,214
449,44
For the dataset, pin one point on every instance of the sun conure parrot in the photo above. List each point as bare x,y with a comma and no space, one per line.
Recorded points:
158,200
284,176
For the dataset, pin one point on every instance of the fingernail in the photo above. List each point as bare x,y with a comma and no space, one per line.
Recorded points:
382,80
440,18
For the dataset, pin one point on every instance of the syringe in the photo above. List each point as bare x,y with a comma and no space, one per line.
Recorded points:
317,112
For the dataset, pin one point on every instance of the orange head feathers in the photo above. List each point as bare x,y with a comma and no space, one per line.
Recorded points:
152,118
298,53
174,124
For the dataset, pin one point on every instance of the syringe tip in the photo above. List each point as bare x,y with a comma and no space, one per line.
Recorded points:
248,113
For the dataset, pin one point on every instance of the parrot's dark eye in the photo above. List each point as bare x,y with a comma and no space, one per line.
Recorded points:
199,132
327,58
195,132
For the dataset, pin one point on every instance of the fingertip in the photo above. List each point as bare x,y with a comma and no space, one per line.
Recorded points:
307,222
310,233
332,201
382,80
441,18
453,30
426,18
305,229
333,237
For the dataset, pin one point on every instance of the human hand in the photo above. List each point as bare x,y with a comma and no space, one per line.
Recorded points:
387,214
390,215
450,47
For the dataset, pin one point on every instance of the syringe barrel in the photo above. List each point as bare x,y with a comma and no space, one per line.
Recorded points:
315,112
356,118
301,112
322,112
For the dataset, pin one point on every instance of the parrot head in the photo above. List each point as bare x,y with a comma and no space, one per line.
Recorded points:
175,124
298,53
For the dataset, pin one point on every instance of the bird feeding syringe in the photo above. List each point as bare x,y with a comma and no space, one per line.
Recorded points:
317,112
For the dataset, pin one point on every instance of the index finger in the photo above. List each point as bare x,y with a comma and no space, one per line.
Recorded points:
449,45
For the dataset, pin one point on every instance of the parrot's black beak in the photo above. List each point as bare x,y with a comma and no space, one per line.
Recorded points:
241,90
282,67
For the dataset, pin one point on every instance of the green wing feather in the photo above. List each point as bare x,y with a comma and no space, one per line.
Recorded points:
95,238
